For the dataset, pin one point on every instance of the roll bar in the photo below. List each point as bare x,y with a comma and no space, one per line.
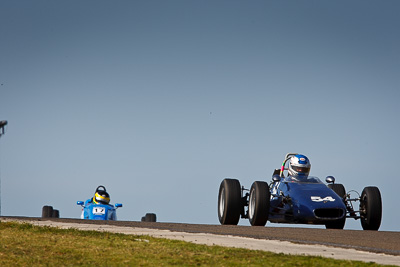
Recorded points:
287,157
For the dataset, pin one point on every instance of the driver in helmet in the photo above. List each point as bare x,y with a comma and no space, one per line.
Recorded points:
100,197
299,167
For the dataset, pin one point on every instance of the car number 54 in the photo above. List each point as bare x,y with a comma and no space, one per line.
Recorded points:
325,199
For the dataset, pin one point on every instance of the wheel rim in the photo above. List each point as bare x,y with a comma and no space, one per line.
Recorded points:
364,207
252,204
222,202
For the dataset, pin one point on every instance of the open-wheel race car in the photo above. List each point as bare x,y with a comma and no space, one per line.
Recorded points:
98,207
299,199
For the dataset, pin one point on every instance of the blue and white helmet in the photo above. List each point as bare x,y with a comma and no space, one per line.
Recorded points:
299,166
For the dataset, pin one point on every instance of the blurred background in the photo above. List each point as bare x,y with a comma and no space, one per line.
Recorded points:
159,101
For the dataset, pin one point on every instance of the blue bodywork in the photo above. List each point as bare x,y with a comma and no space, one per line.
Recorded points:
93,211
306,201
298,198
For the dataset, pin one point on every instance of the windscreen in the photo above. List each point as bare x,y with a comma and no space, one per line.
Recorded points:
309,179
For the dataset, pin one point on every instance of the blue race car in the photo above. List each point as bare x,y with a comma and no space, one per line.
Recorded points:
304,200
97,208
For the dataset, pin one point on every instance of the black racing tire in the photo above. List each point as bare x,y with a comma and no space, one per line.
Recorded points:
259,203
341,192
47,212
338,189
338,224
150,217
371,208
55,214
229,202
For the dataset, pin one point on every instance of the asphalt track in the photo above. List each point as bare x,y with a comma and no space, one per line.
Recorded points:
380,242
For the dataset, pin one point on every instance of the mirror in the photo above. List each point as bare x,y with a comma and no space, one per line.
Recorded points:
118,205
276,178
80,203
330,179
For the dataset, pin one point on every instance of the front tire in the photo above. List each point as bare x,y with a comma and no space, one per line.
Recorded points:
229,202
259,202
371,208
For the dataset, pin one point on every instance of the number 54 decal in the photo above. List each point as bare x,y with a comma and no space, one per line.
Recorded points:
325,199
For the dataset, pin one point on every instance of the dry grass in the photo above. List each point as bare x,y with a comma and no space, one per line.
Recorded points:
28,245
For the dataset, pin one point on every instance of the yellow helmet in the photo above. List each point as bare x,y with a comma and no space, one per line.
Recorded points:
101,196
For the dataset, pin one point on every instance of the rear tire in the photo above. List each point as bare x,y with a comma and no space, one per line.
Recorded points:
371,208
338,189
259,202
47,212
341,192
339,224
229,202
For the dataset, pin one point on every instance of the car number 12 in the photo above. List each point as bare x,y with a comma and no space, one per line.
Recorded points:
99,210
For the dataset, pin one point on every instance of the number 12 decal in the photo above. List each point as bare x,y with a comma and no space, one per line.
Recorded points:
98,210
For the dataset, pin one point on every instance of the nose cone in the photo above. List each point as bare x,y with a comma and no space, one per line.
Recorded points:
317,204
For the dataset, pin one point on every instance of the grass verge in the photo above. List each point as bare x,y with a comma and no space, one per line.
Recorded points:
22,244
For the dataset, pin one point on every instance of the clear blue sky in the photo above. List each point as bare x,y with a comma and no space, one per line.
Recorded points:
161,100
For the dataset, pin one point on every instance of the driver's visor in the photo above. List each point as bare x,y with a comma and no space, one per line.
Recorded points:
301,169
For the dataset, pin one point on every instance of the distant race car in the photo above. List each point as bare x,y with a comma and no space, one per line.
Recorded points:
289,200
98,211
